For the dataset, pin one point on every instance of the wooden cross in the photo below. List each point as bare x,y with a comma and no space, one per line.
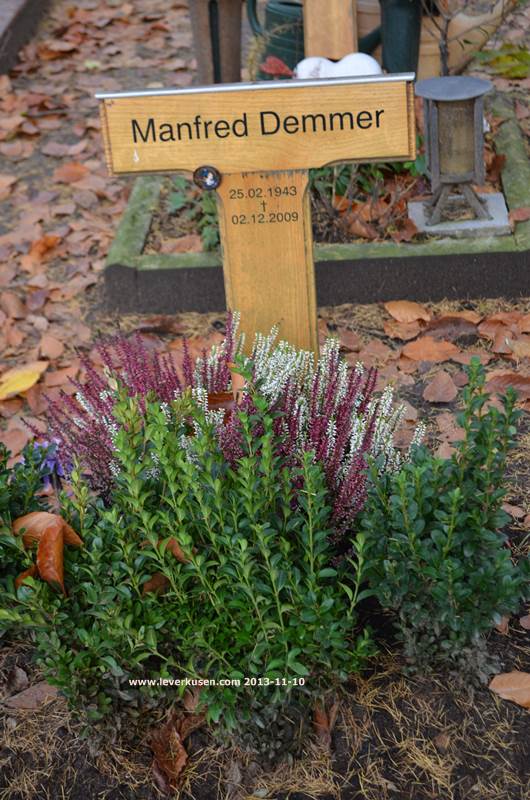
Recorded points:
254,143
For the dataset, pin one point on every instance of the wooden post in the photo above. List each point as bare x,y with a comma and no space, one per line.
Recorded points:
330,28
267,251
254,144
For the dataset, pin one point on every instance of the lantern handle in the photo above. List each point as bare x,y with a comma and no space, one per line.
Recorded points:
253,18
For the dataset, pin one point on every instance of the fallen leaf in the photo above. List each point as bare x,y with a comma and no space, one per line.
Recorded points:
6,184
451,327
170,754
514,686
349,340
426,348
35,524
402,330
442,742
157,583
407,311
191,243
503,626
500,381
18,379
15,440
12,305
521,214
524,622
34,697
17,680
50,556
514,511
441,389
70,172
520,347
31,572
50,347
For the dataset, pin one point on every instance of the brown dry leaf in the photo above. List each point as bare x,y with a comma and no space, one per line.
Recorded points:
170,753
31,572
450,327
34,697
321,725
349,340
514,511
520,347
514,686
191,243
12,305
70,172
157,583
18,379
471,316
39,251
55,48
35,523
524,622
519,214
466,356
6,184
375,353
50,347
407,311
174,547
15,440
405,331
504,625
426,348
50,556
500,381
441,389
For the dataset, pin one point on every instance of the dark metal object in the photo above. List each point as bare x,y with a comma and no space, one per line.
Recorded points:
454,140
216,26
208,178
400,34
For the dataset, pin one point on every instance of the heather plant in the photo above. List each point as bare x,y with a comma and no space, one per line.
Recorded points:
437,557
203,568
320,406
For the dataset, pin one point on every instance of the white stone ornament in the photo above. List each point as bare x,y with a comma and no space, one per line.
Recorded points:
352,64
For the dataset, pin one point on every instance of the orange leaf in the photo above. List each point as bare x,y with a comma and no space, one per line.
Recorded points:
32,572
70,172
499,382
401,330
407,311
50,347
349,340
50,555
170,753
174,547
36,522
157,583
428,349
441,389
514,686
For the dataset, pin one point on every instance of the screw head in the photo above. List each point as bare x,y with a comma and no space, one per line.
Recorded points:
207,178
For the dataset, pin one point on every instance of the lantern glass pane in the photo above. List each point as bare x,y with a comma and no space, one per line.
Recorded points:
456,132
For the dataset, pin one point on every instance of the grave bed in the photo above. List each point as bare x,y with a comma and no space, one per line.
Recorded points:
360,272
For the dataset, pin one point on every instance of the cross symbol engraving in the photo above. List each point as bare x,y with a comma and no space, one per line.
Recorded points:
254,144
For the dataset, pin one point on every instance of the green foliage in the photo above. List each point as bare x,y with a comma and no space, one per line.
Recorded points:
201,208
435,553
18,485
255,597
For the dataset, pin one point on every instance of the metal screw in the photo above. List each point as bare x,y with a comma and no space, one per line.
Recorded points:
207,178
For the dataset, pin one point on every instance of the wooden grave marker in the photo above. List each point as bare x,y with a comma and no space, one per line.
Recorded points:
260,140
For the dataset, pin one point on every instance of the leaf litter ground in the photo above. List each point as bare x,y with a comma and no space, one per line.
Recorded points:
410,739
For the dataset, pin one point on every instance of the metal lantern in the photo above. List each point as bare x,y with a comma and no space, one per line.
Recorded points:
454,139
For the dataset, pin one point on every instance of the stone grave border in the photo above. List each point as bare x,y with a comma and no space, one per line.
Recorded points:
345,273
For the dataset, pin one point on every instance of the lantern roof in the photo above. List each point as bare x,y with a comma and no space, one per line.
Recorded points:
452,87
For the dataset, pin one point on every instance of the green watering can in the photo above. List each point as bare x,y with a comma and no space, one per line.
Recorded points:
283,32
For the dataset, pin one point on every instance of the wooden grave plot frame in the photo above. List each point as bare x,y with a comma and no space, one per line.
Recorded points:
257,142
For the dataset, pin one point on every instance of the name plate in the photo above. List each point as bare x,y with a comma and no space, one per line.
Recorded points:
282,125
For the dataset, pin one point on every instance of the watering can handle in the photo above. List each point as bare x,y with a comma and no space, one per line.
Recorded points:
255,24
